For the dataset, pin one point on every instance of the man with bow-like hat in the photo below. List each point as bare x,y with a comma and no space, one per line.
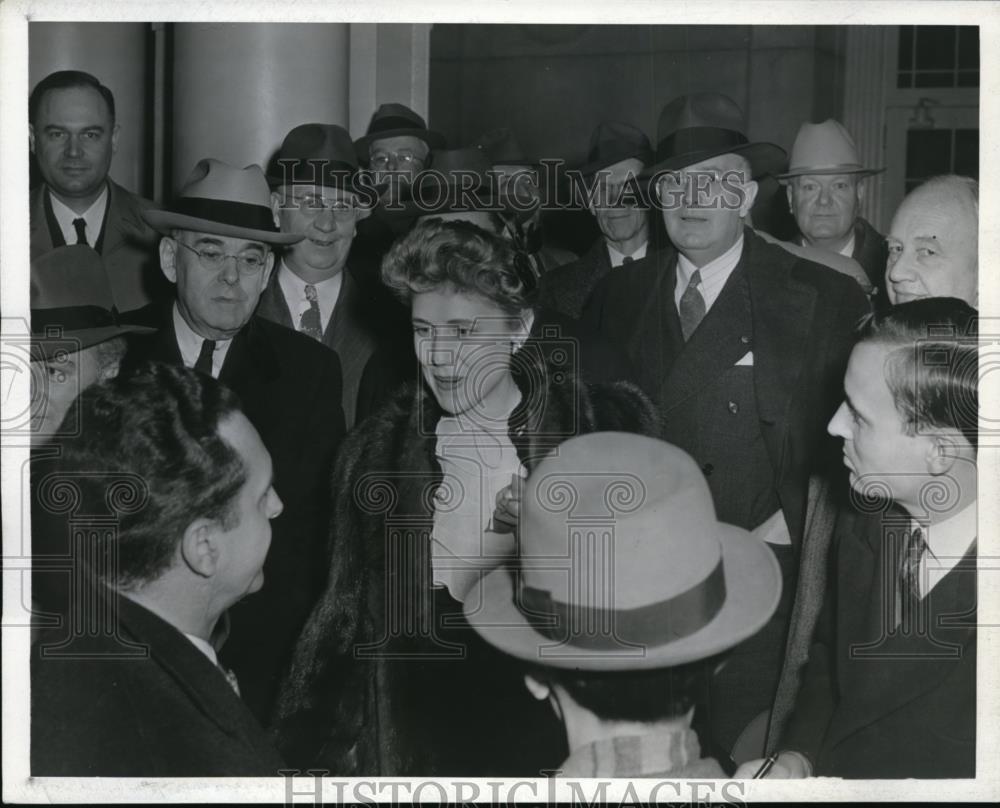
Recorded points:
825,190
620,633
217,247
618,153
317,194
743,345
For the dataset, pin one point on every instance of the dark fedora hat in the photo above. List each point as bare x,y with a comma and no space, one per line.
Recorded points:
502,148
316,154
396,120
700,126
72,305
613,141
461,180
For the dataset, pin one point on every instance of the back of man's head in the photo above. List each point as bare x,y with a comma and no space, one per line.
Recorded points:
148,452
932,369
66,80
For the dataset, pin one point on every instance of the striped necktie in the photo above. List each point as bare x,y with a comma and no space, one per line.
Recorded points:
692,306
908,578
310,323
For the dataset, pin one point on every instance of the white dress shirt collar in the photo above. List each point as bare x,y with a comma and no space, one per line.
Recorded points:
947,543
203,646
294,290
93,216
618,258
848,249
713,275
189,344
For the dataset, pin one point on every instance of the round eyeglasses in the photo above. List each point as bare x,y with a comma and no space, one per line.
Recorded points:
213,259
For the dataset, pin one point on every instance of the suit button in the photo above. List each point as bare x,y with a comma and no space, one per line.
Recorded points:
734,407
708,468
745,339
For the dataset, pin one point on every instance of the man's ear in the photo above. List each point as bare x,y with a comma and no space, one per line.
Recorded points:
198,547
114,138
168,258
788,193
749,197
276,200
942,452
859,189
268,268
31,138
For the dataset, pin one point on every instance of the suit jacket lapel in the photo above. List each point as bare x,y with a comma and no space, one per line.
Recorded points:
343,326
41,235
121,222
782,311
716,345
249,370
272,305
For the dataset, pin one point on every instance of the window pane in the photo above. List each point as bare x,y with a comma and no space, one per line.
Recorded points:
935,79
905,48
936,47
968,46
968,78
967,152
904,80
928,152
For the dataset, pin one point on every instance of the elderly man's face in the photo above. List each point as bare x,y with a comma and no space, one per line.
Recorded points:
825,207
934,247
403,157
216,301
327,217
56,381
73,138
618,223
704,206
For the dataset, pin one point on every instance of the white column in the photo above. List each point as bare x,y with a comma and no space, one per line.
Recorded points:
240,87
115,53
864,108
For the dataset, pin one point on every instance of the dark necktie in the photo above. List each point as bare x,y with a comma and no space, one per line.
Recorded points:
204,363
692,306
80,225
908,582
310,322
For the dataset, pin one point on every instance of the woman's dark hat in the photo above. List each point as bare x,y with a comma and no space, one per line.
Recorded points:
320,154
396,120
612,142
72,304
701,126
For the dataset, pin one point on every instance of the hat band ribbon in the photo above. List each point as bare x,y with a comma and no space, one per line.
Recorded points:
223,211
72,318
610,629
695,139
393,122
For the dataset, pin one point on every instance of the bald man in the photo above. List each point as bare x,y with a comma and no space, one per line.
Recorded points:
934,242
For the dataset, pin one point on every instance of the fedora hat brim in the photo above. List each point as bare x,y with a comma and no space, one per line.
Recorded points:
753,588
163,221
765,158
43,347
801,172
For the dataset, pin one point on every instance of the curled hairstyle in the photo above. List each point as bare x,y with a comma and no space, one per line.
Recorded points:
157,429
67,80
459,254
932,369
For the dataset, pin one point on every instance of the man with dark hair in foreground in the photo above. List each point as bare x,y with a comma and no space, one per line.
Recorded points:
179,486
889,689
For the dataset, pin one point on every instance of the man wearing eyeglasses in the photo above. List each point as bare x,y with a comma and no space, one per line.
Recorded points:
317,194
397,145
217,247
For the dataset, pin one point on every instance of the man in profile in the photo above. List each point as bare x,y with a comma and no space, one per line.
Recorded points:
73,135
184,486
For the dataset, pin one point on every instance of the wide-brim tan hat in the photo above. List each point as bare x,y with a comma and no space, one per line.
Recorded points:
824,148
224,200
623,565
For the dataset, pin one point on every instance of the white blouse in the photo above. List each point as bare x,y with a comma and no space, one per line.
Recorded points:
477,461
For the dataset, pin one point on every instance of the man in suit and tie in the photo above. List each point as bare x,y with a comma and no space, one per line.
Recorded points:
217,249
618,154
890,686
187,483
73,135
743,346
825,187
316,194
